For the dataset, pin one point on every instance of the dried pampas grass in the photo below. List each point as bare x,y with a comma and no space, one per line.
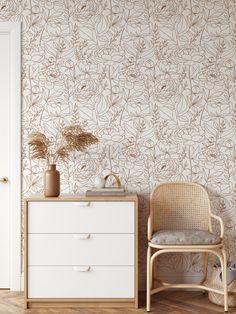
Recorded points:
74,138
38,145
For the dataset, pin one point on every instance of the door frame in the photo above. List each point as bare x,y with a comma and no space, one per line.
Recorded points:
13,29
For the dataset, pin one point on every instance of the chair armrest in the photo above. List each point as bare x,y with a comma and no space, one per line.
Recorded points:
149,228
221,224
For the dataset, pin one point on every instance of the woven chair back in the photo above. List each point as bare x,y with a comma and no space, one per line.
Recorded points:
180,205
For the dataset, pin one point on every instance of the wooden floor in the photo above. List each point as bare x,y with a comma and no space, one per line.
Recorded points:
171,302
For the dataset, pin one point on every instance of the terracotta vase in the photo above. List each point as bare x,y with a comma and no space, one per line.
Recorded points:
52,181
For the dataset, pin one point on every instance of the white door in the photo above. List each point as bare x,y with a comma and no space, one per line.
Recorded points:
4,160
9,154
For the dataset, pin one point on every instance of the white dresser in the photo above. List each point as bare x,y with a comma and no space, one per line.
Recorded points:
81,251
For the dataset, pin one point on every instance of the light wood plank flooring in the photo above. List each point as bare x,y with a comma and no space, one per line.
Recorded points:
168,302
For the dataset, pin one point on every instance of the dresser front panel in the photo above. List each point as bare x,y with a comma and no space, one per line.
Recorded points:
81,282
81,217
81,249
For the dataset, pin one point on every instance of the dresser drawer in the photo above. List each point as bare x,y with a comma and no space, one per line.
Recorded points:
80,282
81,249
81,217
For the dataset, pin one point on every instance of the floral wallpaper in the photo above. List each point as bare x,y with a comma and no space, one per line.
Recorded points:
153,79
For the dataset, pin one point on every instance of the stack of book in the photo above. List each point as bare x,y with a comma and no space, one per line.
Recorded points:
112,191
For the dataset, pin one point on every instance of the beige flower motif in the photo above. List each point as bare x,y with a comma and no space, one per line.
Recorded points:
190,135
55,108
196,9
166,9
84,10
128,4
50,74
165,87
48,4
9,9
5,5
50,77
53,74
209,4
57,34
110,137
86,88
168,166
36,9
110,56
216,108
212,156
217,28
131,152
210,77
35,89
190,55
130,76
87,167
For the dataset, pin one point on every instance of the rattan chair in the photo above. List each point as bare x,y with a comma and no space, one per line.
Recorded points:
180,221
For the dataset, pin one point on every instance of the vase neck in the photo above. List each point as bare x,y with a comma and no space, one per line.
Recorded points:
52,167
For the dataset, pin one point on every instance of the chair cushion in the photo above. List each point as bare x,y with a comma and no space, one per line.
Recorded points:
184,237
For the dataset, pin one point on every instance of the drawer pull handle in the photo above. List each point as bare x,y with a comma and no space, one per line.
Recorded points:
82,204
82,236
82,269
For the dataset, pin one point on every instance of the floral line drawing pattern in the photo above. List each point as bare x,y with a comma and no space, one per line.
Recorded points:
153,79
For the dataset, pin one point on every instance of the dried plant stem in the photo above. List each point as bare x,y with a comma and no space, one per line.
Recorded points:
73,139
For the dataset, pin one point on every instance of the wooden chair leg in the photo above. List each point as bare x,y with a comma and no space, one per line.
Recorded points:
205,265
153,274
224,277
149,279
205,268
